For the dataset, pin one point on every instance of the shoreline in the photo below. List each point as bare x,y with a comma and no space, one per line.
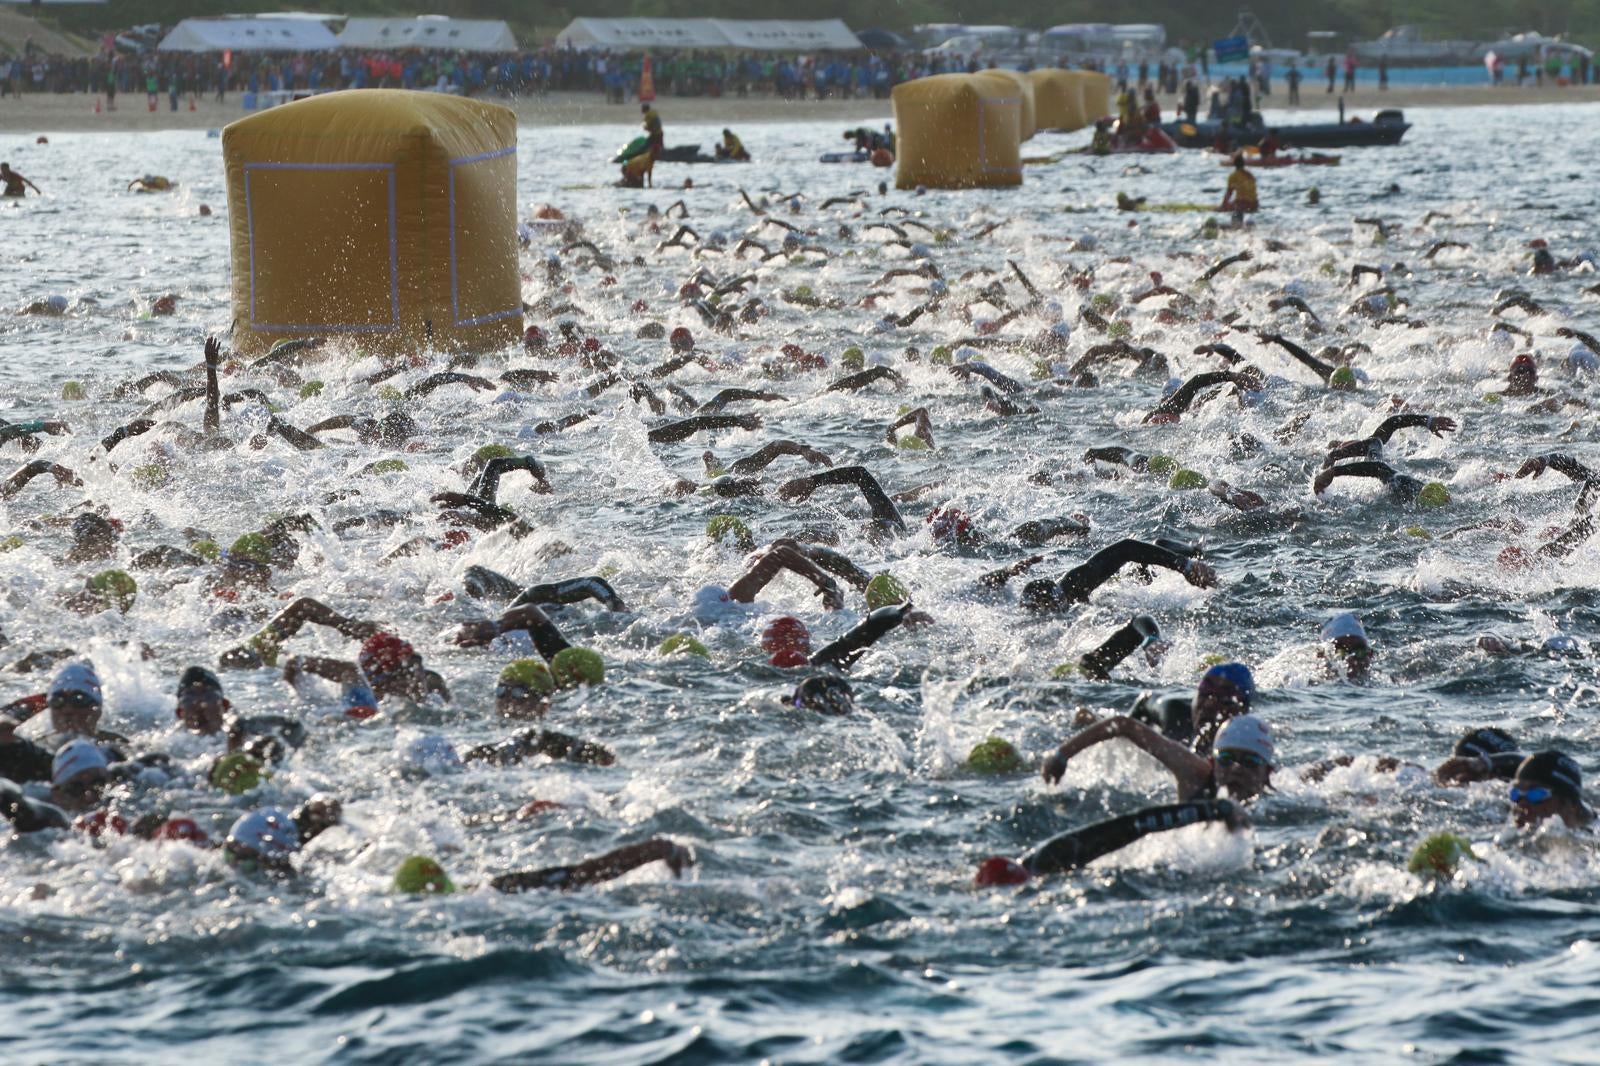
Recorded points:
48,113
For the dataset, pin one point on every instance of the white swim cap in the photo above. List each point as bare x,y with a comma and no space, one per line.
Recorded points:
76,757
1246,733
429,754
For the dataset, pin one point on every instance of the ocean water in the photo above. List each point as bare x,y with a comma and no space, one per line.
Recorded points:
831,916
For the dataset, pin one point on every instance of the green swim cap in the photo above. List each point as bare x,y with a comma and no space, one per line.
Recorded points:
1103,301
1119,328
885,589
73,390
682,644
1440,855
1433,494
609,571
482,456
572,667
1418,532
941,356
994,756
853,359
149,475
1162,464
252,547
420,875
1213,659
388,466
206,549
1041,370
390,393
10,544
730,529
528,673
116,587
310,389
911,443
1343,378
237,773
1187,479
1491,397
1066,670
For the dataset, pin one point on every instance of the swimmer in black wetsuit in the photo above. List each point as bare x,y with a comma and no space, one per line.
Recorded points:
1242,762
885,516
611,865
1371,447
1582,527
1078,848
1076,584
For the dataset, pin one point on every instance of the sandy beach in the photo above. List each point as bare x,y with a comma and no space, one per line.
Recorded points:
76,112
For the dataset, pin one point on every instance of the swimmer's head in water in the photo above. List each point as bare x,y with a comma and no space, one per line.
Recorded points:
1186,480
1343,379
385,658
572,667
1225,690
1485,743
1000,871
115,588
252,548
201,703
534,339
1433,494
1549,784
950,525
427,754
885,589
730,530
265,838
1041,595
76,763
420,875
1523,374
787,641
1349,639
237,773
825,694
681,340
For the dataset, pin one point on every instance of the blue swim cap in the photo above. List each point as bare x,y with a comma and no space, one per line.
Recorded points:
1235,674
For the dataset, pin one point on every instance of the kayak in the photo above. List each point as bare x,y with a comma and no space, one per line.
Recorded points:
678,153
1386,128
845,157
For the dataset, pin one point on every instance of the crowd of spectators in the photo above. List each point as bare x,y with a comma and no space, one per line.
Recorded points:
614,74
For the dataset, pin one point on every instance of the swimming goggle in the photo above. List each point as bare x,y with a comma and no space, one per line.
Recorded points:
517,692
1240,758
1530,796
74,699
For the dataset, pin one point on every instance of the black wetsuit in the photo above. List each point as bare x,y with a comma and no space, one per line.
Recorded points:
843,652
1082,846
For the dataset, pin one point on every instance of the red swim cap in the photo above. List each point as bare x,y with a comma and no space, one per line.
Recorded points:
97,822
533,339
998,871
1523,362
785,634
790,658
681,340
949,523
182,829
1514,558
383,654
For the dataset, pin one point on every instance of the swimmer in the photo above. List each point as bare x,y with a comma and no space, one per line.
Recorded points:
843,652
1141,633
1485,754
1078,848
1347,644
606,867
1174,406
152,183
1076,585
266,841
885,516
14,183
1549,784
1582,526
1371,447
1401,488
1241,764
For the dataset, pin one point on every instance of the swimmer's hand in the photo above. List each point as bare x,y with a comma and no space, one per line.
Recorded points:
832,598
1534,467
1439,426
213,351
242,657
800,488
477,634
1233,816
1200,574
678,859
1054,769
1324,479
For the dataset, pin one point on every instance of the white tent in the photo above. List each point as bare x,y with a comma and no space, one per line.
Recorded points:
641,33
771,35
785,35
429,31
248,35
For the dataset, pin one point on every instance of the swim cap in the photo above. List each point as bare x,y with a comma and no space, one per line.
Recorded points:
76,757
999,871
198,677
1040,594
528,673
1228,680
730,529
949,523
1512,557
1343,379
186,829
1439,855
252,547
206,549
76,677
1555,769
268,834
786,634
710,602
1523,364
940,356
1581,360
310,389
1184,480
911,443
418,875
1485,743
1246,732
681,340
388,466
853,359
358,701
429,753
115,587
1433,494
481,457
382,655
572,667
236,773
885,589
1162,464
1345,624
994,755
682,644
73,390
825,694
